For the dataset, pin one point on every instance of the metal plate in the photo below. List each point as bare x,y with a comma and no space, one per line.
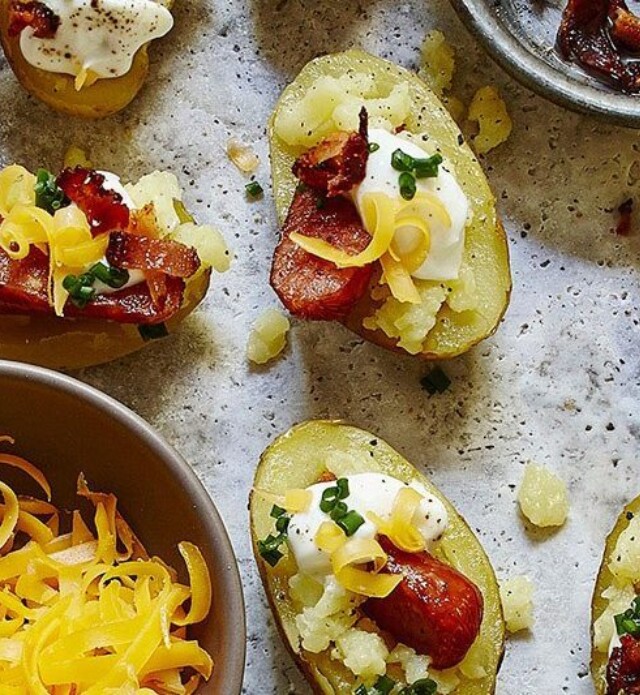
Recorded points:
520,35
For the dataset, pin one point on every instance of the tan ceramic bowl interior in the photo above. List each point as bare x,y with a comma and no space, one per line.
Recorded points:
66,427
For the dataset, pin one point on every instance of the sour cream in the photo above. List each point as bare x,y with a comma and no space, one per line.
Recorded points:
446,242
112,182
368,492
101,36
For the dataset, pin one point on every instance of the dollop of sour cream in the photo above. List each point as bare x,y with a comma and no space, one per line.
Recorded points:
446,242
112,182
100,36
368,492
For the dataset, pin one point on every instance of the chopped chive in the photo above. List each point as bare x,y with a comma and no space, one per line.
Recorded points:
427,168
401,161
628,623
373,147
436,381
153,331
361,690
269,549
339,510
49,196
423,686
110,276
350,522
277,512
254,189
407,184
343,488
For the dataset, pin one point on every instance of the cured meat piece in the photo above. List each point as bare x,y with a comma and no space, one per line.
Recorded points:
132,251
23,290
103,207
311,287
42,19
435,610
623,669
338,163
595,33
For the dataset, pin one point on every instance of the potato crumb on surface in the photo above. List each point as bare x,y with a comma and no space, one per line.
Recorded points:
490,111
268,337
242,156
76,157
516,595
543,497
438,62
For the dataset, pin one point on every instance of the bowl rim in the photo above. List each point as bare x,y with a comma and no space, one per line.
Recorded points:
235,637
539,76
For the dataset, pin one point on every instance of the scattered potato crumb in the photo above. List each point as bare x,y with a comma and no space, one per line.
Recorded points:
490,111
516,595
268,336
543,497
76,157
438,62
242,156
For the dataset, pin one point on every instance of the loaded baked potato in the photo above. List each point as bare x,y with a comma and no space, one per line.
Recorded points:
102,74
615,609
90,269
331,504
388,222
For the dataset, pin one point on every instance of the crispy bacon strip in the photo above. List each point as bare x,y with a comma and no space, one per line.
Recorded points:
135,252
103,207
308,286
42,19
596,34
338,163
623,669
23,290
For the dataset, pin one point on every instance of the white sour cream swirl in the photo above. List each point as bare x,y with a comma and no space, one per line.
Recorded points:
100,36
368,492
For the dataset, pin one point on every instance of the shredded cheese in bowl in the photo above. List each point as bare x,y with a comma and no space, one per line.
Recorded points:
88,611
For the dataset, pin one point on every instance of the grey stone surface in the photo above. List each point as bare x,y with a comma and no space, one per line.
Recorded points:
559,383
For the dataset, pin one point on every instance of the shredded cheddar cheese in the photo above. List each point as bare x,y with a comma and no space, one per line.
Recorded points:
400,528
90,612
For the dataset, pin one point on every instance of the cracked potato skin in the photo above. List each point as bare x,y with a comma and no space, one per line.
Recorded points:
486,242
295,460
104,98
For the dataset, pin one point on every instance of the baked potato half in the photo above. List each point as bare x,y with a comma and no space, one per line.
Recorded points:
299,459
480,301
613,595
91,269
99,100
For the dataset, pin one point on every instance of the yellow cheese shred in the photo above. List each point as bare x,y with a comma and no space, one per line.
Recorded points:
88,612
400,528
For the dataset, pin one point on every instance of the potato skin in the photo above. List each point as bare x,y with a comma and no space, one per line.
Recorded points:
295,459
102,99
486,238
57,343
599,660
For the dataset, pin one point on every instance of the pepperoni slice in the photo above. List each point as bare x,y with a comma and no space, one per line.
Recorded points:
103,207
435,610
42,19
308,286
133,251
23,290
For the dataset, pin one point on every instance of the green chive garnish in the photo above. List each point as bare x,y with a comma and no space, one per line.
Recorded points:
436,381
407,183
253,189
350,522
343,488
373,147
427,168
424,686
628,623
49,196
110,276
153,332
269,549
401,161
